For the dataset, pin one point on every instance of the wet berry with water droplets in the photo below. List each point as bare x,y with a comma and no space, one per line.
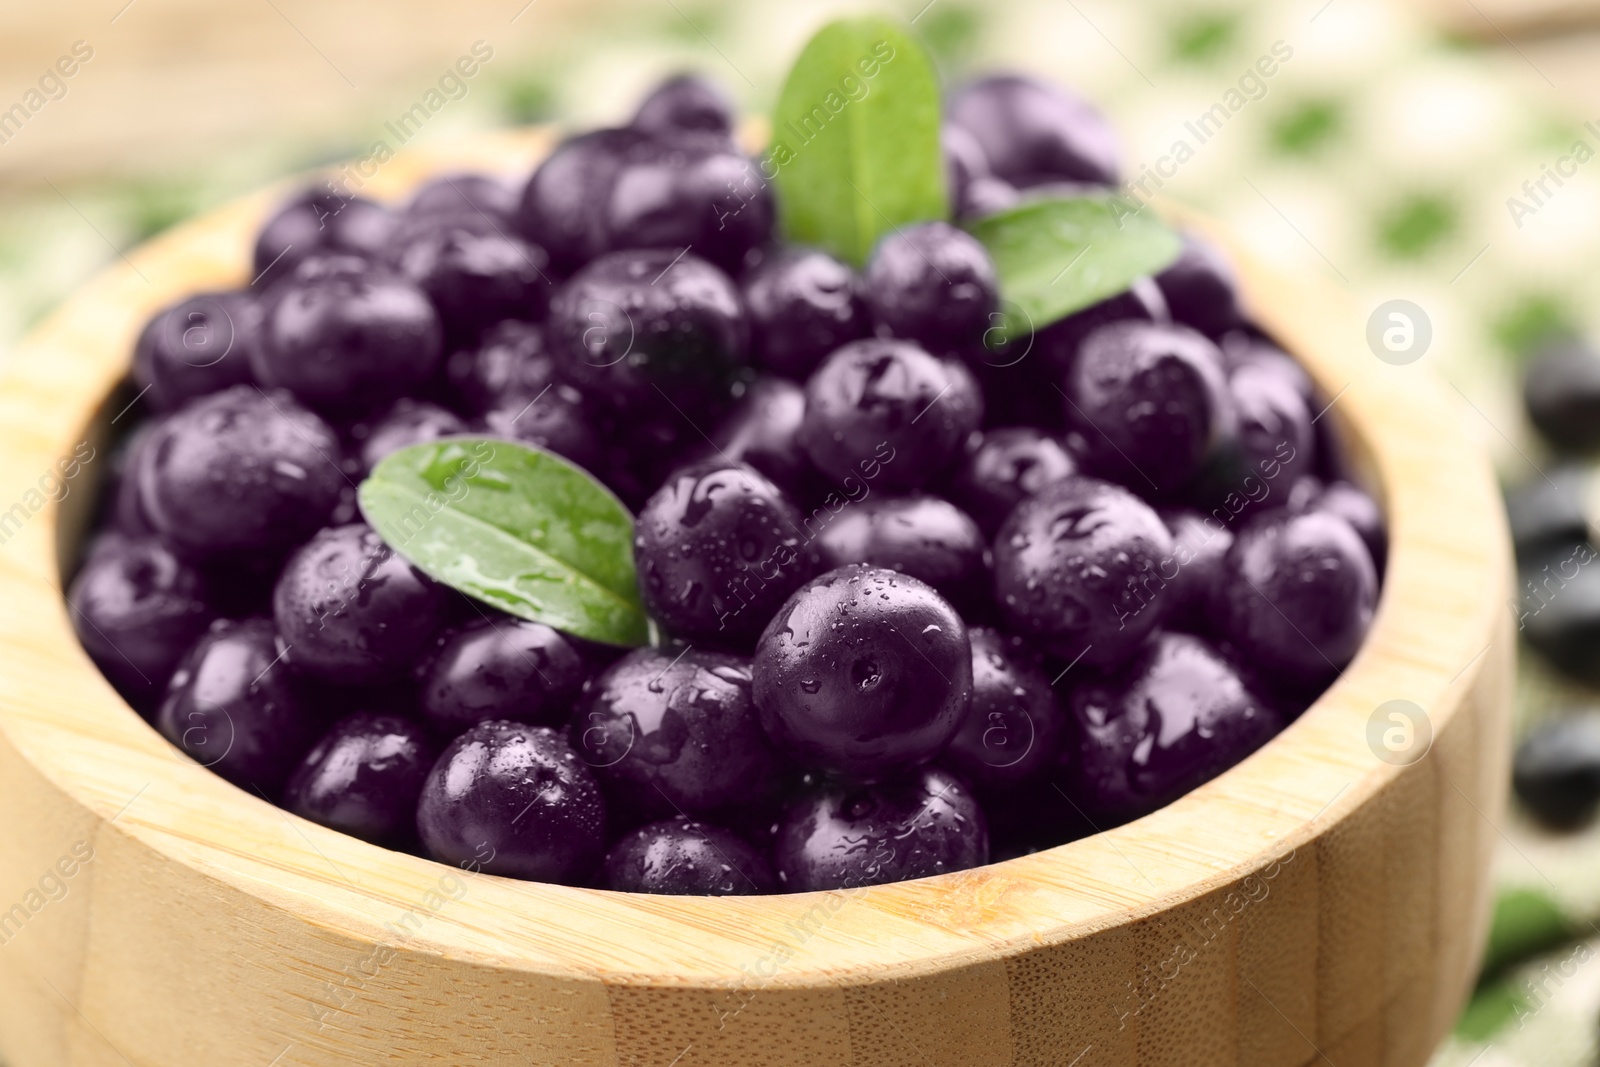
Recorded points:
1014,727
925,537
682,857
500,668
200,345
1005,466
864,671
674,731
364,778
512,799
408,422
803,304
933,284
844,836
1034,133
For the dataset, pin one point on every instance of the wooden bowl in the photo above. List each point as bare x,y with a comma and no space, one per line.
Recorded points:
1316,903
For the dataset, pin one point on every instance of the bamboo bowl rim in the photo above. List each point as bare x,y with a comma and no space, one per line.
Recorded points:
1445,584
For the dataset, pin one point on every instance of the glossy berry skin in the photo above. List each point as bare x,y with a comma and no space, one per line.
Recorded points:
351,611
464,195
554,419
923,823
364,778
513,799
1561,394
1150,402
925,537
318,220
475,279
1556,771
1033,133
197,346
1014,728
1195,570
137,609
719,548
1298,594
233,705
681,857
685,103
500,668
1077,569
635,327
1003,467
562,208
408,422
1176,716
763,429
1200,289
933,284
240,471
863,671
964,164
803,304
1274,422
690,192
508,361
348,339
1242,348
674,731
1057,345
1362,513
889,413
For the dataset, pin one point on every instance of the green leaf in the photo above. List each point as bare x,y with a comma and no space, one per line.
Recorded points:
1060,255
855,139
516,527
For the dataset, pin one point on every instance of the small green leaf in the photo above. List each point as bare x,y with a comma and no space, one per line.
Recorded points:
516,527
1060,255
855,139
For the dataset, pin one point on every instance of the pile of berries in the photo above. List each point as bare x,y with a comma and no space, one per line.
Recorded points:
928,602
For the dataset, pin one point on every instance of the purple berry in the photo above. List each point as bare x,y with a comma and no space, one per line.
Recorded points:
137,609
864,671
681,857
1003,467
674,731
1176,716
554,419
508,361
1014,728
364,778
964,164
889,413
719,548
350,610
1057,345
563,205
318,220
1200,289
475,279
408,422
464,195
933,284
685,103
240,471
347,338
803,304
500,668
513,799
1150,402
197,346
637,330
925,537
1194,572
690,192
1298,595
1033,133
763,430
846,836
1361,512
234,706
1077,568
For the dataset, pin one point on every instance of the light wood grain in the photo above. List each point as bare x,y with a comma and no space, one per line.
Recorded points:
212,928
